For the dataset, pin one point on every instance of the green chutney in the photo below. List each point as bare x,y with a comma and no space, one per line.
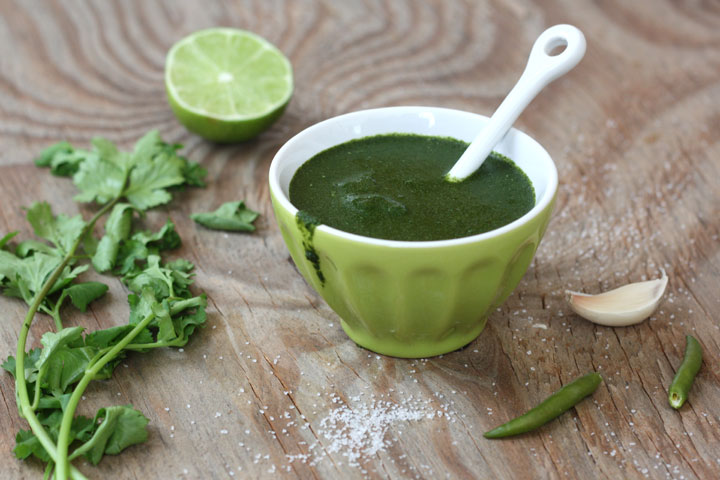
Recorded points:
393,187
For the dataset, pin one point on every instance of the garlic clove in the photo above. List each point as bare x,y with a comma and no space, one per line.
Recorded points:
623,306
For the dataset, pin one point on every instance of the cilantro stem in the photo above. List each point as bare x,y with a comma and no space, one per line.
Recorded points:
48,470
25,408
58,321
38,382
54,313
178,342
181,305
90,373
142,346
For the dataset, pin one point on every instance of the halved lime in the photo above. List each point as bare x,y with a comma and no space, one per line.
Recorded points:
227,85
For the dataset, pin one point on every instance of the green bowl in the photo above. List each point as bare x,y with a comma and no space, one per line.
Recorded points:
413,299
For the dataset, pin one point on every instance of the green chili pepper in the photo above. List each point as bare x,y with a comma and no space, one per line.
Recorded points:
681,384
552,407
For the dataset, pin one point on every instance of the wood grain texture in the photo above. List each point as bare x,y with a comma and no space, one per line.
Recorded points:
634,130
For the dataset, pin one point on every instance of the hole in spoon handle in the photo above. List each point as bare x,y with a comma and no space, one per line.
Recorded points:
542,68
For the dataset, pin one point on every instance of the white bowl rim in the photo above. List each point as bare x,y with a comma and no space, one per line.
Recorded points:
540,205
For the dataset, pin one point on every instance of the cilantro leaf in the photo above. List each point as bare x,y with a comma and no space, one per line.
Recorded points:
31,359
61,230
143,244
81,294
90,243
54,401
66,367
27,444
53,342
194,174
117,229
98,180
106,254
9,365
66,164
64,160
159,280
108,151
46,156
129,427
163,322
9,266
4,240
231,216
154,167
141,305
24,273
120,427
24,277
164,239
150,179
68,275
28,247
151,145
60,363
168,280
102,177
185,325
131,252
119,222
33,273
61,157
181,271
175,320
147,147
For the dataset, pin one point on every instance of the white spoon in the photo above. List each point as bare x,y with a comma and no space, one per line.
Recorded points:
542,68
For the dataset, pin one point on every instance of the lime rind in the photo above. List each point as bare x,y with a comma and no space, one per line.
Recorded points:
227,84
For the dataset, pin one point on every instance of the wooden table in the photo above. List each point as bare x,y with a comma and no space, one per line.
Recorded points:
262,391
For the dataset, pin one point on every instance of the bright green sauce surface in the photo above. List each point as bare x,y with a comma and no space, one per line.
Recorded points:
393,187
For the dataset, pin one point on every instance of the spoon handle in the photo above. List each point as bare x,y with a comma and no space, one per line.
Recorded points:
542,68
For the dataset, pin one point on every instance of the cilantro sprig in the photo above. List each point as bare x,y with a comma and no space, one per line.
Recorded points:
50,381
